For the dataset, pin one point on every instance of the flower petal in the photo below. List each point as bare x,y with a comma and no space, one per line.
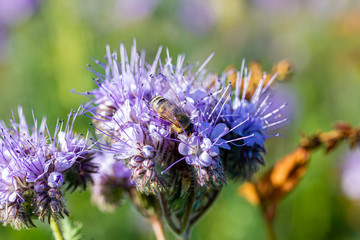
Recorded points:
205,159
192,159
220,128
205,127
185,149
214,151
206,144
222,143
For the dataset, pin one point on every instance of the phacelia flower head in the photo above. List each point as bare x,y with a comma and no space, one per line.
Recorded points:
170,121
251,116
35,165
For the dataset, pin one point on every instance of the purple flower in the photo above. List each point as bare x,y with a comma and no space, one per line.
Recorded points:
174,121
129,11
35,165
11,13
110,182
251,120
350,176
198,16
203,151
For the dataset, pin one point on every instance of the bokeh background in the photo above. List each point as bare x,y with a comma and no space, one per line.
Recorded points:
44,46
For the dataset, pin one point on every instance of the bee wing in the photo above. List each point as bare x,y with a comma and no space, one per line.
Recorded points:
163,87
170,114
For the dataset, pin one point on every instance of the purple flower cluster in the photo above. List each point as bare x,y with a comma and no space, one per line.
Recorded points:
110,181
35,165
168,120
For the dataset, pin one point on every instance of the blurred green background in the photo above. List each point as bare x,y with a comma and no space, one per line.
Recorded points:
44,46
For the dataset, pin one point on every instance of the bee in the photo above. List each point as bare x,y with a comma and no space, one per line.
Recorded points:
171,112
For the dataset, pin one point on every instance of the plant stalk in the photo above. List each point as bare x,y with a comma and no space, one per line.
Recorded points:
158,228
56,229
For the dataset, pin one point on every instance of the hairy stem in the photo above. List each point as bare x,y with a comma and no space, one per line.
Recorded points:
186,220
56,229
205,208
166,213
186,234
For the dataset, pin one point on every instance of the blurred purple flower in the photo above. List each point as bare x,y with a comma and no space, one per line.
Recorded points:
130,11
15,11
319,9
110,182
283,93
350,176
197,16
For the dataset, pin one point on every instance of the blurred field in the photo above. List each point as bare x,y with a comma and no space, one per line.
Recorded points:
43,54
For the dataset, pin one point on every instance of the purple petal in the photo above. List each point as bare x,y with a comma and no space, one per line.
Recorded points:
214,151
205,159
191,159
205,127
185,149
12,197
206,144
258,138
64,163
222,143
220,128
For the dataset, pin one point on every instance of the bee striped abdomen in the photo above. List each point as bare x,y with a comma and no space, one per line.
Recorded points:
169,111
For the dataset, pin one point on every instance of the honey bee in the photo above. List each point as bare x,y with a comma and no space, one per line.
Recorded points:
171,112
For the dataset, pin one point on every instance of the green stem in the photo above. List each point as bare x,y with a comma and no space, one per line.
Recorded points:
186,234
185,223
205,208
56,229
167,214
269,220
270,230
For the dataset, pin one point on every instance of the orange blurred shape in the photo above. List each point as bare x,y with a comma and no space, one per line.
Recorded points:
348,24
280,180
284,69
287,172
249,192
